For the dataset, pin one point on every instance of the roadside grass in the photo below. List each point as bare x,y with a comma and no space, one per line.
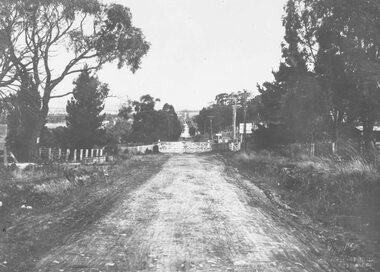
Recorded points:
320,185
42,208
344,195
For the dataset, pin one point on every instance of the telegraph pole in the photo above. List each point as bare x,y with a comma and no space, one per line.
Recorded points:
234,119
211,129
211,126
245,120
5,148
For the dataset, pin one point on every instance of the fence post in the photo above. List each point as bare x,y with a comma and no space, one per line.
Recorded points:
75,155
312,149
101,152
49,155
81,154
59,153
86,153
5,155
92,153
67,154
334,148
40,153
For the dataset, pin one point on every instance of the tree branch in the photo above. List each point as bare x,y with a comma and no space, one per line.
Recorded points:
61,95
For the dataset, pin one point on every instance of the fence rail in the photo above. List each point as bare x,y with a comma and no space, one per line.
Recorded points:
181,147
72,155
322,149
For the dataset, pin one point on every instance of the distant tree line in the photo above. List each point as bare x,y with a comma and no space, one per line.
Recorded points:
31,34
221,112
148,124
137,122
328,81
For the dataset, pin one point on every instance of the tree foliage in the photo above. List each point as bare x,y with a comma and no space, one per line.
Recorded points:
84,118
150,125
328,79
22,109
32,31
221,112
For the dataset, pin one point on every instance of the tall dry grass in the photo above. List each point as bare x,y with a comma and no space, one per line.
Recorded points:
319,184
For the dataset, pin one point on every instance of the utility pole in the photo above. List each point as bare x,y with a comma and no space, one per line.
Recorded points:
211,126
234,119
5,149
245,120
5,155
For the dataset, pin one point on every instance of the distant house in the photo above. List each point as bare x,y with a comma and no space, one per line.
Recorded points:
376,132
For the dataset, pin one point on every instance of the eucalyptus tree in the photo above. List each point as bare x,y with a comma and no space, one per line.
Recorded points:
349,59
330,56
36,33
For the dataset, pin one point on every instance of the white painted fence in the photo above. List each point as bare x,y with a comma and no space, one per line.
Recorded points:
75,155
170,147
184,147
141,149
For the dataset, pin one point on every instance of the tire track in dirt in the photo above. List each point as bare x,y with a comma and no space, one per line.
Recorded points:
188,217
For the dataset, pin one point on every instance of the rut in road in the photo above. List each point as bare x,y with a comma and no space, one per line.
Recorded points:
188,217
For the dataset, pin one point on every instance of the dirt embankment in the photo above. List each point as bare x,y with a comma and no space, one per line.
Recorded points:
40,214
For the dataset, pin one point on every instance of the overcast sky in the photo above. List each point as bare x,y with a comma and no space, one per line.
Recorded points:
199,48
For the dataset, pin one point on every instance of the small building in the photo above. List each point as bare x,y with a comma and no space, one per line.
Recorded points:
376,132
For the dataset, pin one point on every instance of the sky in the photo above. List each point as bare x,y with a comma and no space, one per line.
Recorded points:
199,48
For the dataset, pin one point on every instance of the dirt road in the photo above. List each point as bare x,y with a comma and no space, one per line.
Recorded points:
191,216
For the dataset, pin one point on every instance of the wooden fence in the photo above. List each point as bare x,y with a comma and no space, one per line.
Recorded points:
181,147
169,147
184,147
321,149
72,155
141,149
226,146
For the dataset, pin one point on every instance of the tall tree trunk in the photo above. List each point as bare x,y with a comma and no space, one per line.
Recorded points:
33,144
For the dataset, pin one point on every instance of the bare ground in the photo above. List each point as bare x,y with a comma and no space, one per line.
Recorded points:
194,215
57,219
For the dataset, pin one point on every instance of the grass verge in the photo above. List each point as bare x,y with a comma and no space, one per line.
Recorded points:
342,195
61,205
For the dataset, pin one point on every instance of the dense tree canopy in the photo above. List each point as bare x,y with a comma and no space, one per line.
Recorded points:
328,79
221,112
150,125
33,31
84,118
